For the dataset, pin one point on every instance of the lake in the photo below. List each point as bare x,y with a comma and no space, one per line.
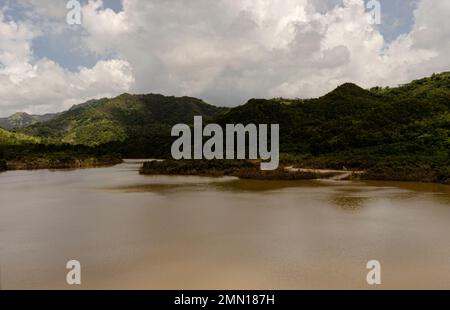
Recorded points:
131,231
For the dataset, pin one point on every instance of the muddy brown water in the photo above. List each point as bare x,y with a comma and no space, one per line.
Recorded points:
158,232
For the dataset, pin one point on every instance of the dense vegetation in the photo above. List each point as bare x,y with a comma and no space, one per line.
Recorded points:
20,120
243,169
57,156
136,126
393,133
100,132
21,151
2,161
15,138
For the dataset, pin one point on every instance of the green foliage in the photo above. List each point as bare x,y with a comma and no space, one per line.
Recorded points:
243,169
15,138
55,156
196,167
20,120
137,125
401,130
94,134
2,160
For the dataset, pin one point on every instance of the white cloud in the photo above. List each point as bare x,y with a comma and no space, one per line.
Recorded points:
426,48
228,51
39,86
224,51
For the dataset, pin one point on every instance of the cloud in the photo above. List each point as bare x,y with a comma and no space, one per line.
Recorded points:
229,51
224,51
41,85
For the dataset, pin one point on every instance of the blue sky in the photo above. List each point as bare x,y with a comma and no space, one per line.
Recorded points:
398,17
59,47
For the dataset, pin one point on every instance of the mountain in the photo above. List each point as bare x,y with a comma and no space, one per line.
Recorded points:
135,124
20,120
347,118
396,127
405,126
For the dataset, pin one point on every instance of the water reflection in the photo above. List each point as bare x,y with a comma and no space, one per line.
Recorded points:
349,203
164,232
345,195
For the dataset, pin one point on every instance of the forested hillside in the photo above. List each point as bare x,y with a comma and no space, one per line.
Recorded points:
403,129
20,120
136,125
401,132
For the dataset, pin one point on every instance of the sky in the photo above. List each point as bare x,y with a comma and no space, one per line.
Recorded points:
224,51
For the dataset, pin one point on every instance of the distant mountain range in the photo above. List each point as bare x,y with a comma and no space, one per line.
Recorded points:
21,119
141,124
349,125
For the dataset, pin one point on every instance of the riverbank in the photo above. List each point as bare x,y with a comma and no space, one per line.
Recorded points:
68,163
250,170
2,165
242,169
55,156
337,175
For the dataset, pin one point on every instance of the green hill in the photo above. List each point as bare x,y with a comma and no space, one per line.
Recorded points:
348,118
384,130
136,124
20,120
390,129
352,118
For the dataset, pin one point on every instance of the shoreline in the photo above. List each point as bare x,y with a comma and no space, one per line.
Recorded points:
44,165
340,175
249,170
241,170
